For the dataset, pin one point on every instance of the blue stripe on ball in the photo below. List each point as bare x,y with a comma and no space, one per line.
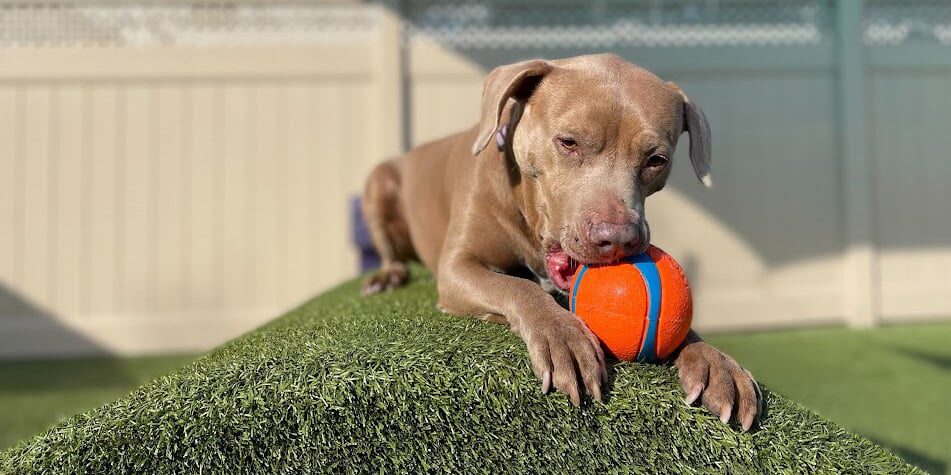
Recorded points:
648,270
574,291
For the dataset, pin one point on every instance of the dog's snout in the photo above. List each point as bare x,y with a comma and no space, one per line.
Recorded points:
611,238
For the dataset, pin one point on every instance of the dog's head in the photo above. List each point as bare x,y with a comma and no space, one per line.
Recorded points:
595,136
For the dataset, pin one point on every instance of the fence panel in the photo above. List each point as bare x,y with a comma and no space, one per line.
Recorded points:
176,175
909,96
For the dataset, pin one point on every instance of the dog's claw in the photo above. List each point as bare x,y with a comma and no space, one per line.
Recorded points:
693,395
596,393
725,414
747,423
575,397
546,382
372,289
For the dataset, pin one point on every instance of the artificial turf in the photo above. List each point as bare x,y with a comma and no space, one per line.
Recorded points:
388,384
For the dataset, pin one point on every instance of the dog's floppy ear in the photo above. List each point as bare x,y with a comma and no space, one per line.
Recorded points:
695,124
503,83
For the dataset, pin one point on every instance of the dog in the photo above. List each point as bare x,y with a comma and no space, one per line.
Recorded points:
555,174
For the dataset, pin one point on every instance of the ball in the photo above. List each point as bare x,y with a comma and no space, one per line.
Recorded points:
640,308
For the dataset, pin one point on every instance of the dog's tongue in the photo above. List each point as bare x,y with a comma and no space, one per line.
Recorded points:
560,268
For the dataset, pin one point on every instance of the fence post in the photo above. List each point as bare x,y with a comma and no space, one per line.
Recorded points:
389,77
387,125
861,277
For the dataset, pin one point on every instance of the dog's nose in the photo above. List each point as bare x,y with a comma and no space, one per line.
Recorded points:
611,237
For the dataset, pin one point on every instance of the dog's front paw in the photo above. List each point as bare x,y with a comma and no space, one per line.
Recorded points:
723,386
563,350
387,278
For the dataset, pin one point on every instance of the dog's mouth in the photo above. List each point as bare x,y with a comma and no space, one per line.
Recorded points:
561,267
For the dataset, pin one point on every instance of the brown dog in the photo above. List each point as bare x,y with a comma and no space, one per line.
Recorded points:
577,144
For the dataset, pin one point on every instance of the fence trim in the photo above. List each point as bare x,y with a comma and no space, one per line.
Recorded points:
158,63
862,306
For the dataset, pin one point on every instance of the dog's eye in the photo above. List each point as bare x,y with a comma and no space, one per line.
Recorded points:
567,144
656,162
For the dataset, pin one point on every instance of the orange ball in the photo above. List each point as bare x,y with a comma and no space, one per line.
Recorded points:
639,308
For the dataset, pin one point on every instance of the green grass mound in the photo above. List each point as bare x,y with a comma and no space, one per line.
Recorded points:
388,384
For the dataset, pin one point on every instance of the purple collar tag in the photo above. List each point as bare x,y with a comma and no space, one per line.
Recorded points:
500,136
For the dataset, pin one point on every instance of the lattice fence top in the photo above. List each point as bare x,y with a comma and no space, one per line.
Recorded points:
891,22
484,24
464,24
80,24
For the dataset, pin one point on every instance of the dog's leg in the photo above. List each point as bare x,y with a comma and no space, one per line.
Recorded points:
564,353
388,229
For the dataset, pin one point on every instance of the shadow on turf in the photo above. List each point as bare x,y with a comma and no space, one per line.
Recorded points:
922,461
939,361
43,375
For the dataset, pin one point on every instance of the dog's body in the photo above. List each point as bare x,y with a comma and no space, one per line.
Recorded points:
576,146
